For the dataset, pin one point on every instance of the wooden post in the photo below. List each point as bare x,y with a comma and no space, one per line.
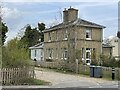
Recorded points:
76,65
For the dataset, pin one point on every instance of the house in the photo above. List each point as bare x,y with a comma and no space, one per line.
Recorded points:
74,34
118,35
37,53
115,41
107,49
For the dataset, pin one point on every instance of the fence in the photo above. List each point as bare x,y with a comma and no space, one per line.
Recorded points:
16,76
82,69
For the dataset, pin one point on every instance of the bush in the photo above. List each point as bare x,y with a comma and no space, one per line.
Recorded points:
108,61
13,55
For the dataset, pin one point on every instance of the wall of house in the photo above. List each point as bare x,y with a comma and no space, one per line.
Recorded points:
107,51
119,46
115,49
57,49
96,33
76,40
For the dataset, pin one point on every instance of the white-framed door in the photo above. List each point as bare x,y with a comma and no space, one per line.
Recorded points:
88,56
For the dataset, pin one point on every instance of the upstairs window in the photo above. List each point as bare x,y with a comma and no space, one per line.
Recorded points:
116,40
56,35
49,36
88,33
65,35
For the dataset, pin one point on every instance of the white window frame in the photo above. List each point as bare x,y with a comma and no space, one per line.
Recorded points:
56,53
35,54
49,37
83,53
88,50
89,32
66,35
64,53
56,35
50,52
41,54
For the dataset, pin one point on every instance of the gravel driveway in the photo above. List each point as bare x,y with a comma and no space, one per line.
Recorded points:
61,80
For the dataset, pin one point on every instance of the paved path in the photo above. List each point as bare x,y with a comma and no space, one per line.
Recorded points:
61,80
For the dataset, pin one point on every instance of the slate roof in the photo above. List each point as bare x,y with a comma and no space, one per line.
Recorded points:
37,46
107,46
78,22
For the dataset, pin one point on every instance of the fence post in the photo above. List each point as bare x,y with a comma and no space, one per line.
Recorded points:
76,65
113,73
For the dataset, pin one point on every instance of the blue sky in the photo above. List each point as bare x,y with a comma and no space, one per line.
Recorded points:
18,14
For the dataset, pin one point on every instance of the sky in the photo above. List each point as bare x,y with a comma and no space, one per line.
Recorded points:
17,15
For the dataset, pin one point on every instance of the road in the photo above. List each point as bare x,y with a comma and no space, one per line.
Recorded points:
61,80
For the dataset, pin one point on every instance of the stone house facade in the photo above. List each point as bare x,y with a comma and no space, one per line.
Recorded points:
63,41
107,50
115,41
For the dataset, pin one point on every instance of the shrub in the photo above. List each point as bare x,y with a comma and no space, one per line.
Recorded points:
13,55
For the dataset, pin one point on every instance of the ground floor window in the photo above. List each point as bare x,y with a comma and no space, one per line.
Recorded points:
50,52
64,53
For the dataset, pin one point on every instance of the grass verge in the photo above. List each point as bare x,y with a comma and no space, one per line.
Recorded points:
31,81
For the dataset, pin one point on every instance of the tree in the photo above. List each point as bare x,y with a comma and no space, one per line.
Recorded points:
41,27
30,37
78,56
13,55
3,31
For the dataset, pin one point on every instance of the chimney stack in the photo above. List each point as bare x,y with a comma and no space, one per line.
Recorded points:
65,15
70,15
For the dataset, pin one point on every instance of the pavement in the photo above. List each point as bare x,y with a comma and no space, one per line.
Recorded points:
61,80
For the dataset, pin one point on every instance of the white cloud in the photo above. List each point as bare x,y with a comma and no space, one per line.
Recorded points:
10,13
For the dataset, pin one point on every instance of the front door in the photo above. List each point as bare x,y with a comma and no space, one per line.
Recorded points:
88,56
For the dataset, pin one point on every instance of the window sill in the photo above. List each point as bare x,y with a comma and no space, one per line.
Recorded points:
88,39
65,58
65,39
49,41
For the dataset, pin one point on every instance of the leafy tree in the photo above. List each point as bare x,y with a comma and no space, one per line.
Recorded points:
13,55
41,27
78,56
3,31
30,37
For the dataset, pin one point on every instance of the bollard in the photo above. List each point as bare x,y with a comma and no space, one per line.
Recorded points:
113,73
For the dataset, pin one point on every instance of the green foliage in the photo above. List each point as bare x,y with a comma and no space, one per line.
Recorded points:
108,61
41,27
94,62
32,36
3,31
78,56
14,56
31,81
